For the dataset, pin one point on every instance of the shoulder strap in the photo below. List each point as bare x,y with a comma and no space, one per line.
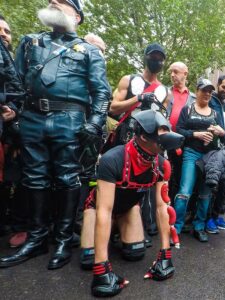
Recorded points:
149,89
61,49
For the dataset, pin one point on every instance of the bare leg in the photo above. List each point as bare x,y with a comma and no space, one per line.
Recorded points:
162,218
131,227
88,228
132,235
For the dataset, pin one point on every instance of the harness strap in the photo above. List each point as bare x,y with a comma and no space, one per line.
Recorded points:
126,181
149,89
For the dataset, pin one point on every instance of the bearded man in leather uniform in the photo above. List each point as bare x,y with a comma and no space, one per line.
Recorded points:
63,76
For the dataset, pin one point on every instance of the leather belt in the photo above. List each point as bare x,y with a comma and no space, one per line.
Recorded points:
46,105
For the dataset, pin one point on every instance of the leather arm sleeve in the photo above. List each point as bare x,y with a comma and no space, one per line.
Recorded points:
100,90
20,59
11,83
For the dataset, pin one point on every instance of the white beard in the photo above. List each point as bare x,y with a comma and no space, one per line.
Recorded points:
54,18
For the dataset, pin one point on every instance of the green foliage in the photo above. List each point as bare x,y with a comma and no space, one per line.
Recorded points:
21,16
191,31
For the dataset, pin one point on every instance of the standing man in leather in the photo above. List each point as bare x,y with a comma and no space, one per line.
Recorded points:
61,73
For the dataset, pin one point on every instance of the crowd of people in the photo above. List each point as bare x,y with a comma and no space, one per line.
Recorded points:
82,166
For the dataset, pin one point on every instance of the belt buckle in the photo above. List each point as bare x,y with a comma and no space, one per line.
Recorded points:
44,105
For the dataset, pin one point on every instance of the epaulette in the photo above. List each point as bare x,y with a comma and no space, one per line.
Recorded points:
39,36
31,36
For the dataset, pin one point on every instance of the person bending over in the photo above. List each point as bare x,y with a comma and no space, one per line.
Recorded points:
125,173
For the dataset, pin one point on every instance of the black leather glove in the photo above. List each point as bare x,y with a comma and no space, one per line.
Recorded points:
105,282
89,132
90,137
146,100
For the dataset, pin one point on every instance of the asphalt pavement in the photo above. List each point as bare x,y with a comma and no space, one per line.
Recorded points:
199,275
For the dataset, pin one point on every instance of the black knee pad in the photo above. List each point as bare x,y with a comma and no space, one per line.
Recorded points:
133,251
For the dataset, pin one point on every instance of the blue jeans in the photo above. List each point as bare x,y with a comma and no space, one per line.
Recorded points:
187,183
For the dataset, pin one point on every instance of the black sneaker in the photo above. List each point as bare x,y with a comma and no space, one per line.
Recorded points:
201,235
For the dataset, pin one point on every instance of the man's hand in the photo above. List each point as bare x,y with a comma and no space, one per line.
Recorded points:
90,138
105,282
146,100
7,113
89,132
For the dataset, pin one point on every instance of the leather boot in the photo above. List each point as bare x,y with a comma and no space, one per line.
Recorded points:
67,201
36,243
163,268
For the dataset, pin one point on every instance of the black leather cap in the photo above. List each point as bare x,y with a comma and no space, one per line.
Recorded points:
150,120
77,6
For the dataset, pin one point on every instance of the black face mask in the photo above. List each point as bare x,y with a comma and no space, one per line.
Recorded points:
154,66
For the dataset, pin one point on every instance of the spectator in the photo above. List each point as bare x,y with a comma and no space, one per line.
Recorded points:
217,103
96,40
197,124
10,83
181,96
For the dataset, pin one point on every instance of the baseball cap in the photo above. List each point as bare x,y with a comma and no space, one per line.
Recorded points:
203,83
155,47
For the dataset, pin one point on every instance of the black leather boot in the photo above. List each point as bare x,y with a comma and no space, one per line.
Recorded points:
36,243
67,204
163,268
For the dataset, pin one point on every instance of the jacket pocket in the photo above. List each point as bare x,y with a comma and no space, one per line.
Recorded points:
72,60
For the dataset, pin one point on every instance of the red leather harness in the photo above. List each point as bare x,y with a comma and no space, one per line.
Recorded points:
126,182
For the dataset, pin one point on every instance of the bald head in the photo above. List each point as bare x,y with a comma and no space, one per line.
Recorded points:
179,65
178,74
96,40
